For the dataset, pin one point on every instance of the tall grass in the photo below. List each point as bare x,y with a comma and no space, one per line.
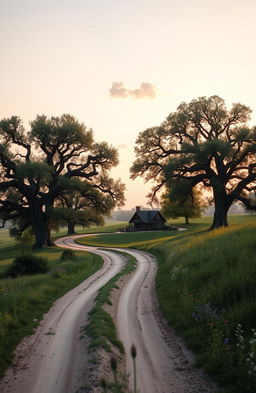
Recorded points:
206,286
24,300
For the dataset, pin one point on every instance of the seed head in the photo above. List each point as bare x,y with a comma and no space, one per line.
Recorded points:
133,351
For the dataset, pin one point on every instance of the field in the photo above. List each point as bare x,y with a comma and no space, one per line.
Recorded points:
206,285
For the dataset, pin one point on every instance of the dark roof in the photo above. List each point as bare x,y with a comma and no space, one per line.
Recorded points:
147,216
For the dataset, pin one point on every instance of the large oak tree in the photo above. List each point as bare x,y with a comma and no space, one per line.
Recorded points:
48,162
205,144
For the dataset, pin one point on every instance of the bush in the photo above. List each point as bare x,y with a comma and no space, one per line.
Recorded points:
68,253
27,264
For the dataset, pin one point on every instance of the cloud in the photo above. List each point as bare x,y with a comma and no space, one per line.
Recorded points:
122,146
118,90
146,90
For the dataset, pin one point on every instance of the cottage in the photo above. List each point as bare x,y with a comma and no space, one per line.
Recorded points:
146,220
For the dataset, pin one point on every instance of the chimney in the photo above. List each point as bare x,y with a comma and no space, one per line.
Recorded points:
137,208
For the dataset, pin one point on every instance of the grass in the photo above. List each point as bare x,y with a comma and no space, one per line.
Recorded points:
111,226
101,327
128,239
24,300
206,286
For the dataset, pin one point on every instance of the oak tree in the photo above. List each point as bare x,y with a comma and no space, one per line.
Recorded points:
87,205
205,144
47,162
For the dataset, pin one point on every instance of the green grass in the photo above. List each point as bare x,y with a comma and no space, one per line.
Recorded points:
101,327
24,300
111,226
206,286
128,239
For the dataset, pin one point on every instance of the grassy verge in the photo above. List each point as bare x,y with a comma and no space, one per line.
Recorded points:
206,285
24,300
101,327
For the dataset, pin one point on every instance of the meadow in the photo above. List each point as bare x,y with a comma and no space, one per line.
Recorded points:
206,286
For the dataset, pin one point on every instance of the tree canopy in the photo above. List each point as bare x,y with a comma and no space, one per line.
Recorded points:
205,144
57,156
177,202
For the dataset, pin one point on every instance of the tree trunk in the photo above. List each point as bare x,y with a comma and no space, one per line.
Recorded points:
41,233
40,225
222,205
186,219
48,228
71,228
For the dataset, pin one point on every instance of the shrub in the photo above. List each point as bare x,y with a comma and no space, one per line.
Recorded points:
68,253
27,264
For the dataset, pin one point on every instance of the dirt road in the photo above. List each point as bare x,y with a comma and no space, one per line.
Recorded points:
53,358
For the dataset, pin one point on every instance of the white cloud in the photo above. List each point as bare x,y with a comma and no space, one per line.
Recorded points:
146,90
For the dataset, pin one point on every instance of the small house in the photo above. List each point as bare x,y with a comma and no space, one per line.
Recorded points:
146,220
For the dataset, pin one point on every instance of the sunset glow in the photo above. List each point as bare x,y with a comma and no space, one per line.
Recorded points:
121,67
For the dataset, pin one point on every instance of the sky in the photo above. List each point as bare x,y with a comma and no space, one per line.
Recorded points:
123,66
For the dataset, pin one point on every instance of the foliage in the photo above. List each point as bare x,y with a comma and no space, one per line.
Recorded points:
175,202
25,239
27,264
57,157
68,253
202,143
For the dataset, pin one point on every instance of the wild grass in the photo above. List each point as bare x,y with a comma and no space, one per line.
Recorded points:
24,300
101,328
206,286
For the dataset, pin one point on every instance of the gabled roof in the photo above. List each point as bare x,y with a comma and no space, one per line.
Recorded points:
147,216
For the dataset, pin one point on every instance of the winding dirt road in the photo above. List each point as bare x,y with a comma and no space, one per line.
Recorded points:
53,359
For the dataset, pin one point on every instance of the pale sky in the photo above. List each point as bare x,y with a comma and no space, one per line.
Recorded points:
63,56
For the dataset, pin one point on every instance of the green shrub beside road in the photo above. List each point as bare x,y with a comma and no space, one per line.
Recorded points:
26,264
